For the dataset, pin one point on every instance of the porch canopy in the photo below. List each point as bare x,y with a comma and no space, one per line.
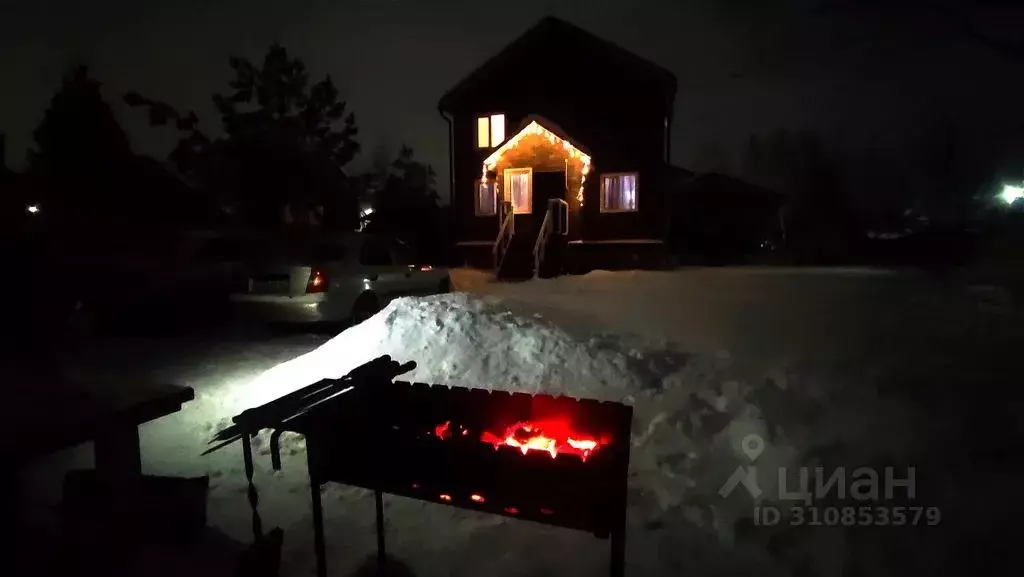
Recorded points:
535,125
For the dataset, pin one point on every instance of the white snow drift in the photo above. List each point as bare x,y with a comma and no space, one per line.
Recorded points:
691,415
815,368
461,340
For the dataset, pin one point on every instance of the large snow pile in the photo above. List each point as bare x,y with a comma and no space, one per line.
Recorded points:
693,412
462,340
828,369
691,415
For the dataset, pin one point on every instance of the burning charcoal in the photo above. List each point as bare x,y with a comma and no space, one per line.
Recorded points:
524,433
443,431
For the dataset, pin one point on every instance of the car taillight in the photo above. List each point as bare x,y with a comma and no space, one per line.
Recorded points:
423,268
317,281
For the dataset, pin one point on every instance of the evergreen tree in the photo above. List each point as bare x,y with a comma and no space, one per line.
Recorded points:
80,149
406,206
283,143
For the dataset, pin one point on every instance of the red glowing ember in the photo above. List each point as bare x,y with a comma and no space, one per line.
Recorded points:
552,437
444,430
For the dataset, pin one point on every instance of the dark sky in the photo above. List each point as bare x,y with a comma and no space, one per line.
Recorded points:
867,79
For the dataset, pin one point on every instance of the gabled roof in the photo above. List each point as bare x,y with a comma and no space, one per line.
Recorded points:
553,31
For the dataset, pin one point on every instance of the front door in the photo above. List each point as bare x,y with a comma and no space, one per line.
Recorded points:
546,185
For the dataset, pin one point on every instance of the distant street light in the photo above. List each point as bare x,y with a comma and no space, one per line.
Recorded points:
1011,193
32,209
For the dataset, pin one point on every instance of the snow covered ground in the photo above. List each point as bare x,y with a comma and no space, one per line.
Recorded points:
829,368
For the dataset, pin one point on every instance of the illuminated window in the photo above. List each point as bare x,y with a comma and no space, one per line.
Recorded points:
486,199
518,189
483,132
490,131
619,192
497,130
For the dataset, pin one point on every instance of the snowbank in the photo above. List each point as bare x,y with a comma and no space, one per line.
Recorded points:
827,369
692,414
459,339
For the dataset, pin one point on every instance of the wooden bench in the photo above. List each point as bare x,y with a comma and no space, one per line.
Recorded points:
51,414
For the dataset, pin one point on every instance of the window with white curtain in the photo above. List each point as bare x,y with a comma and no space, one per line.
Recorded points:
519,189
619,192
486,199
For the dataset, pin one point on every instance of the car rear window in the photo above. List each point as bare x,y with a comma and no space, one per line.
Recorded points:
326,252
375,252
402,254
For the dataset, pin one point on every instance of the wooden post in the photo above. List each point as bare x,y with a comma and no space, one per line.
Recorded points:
117,453
315,483
618,552
319,544
378,497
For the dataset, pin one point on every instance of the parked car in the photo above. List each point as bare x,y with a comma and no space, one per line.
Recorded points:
350,277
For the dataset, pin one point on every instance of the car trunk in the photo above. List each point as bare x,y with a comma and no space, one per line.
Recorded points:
278,279
285,269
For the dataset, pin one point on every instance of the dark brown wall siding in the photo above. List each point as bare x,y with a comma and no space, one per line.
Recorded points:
613,112
644,223
467,171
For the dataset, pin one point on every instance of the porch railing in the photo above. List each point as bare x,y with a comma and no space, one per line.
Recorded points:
553,219
505,234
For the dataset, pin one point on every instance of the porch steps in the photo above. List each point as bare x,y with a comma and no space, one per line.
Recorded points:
518,263
554,263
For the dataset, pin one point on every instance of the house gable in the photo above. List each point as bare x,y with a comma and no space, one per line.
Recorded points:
554,36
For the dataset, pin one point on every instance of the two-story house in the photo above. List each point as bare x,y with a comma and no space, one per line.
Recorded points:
559,149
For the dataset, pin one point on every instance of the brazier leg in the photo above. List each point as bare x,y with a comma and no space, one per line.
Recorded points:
618,553
378,497
252,493
318,528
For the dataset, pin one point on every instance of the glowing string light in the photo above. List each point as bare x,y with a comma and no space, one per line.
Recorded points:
536,129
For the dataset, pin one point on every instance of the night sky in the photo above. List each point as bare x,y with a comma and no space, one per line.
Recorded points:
870,80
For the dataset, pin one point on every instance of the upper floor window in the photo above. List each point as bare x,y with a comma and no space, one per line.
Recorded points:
490,131
519,189
619,192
